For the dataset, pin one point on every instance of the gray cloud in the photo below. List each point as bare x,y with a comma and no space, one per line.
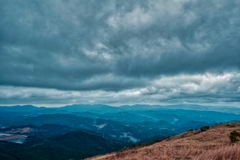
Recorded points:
119,47
200,89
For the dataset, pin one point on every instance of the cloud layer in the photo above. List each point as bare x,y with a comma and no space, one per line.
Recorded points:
113,51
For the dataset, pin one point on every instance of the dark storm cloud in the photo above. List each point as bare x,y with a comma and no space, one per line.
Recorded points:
201,36
124,47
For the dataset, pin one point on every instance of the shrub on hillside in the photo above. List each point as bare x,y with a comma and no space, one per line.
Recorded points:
205,128
233,136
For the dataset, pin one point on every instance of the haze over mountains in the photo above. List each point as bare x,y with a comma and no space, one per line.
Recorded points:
42,129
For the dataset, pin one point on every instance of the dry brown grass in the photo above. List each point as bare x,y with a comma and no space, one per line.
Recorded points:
213,144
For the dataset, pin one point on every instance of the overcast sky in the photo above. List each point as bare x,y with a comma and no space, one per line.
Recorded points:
120,52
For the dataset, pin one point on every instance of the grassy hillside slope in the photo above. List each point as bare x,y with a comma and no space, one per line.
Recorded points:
213,143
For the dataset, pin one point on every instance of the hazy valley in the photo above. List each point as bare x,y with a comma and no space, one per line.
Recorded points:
81,131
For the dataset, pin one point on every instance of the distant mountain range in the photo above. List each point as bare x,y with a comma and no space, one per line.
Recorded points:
101,109
119,126
121,131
